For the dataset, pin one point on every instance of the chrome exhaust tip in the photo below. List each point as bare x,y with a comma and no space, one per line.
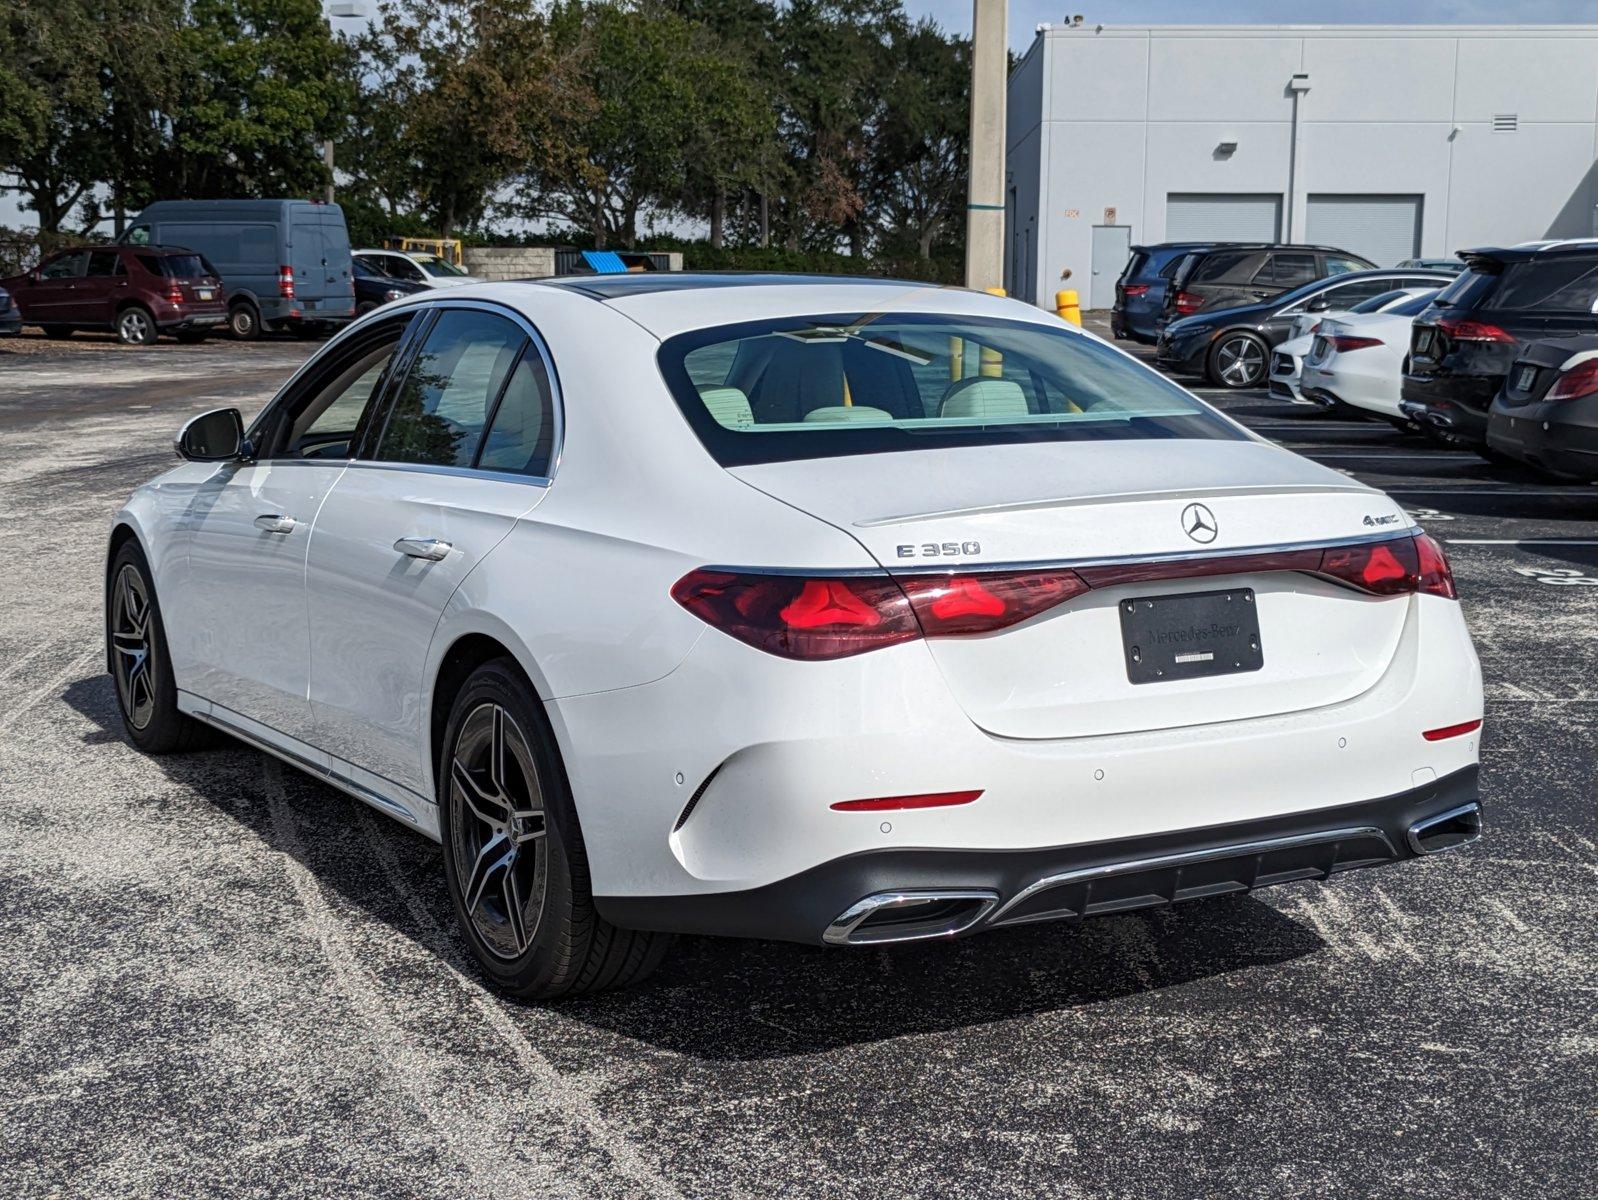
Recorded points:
910,916
1446,830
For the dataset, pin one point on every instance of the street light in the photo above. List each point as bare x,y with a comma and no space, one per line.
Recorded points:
354,10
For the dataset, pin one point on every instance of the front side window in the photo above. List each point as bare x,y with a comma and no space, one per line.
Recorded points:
330,408
399,267
67,266
443,405
782,389
433,264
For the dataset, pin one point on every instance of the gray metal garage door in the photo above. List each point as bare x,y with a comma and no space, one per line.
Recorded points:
1222,217
1384,229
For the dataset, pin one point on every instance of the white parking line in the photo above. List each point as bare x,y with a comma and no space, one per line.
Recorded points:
1547,541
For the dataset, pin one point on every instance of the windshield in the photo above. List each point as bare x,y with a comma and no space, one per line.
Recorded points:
1415,305
781,389
434,265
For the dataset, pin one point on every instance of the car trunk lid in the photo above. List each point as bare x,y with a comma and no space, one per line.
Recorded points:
1065,672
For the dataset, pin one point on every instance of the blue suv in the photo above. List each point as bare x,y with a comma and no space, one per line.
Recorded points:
1140,291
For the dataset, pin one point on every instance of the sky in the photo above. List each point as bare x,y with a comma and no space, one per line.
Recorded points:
1027,15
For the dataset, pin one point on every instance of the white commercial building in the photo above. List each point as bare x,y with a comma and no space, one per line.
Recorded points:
1392,141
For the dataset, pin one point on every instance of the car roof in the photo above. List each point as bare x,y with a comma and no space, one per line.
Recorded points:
1278,246
656,300
1526,251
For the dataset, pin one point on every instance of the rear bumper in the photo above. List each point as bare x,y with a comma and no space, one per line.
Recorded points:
1561,436
195,321
1454,404
942,893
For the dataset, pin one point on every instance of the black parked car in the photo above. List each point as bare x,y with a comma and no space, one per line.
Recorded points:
1228,275
1140,291
1546,414
1461,348
1231,347
373,288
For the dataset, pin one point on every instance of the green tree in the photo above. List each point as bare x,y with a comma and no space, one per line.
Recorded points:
919,153
468,94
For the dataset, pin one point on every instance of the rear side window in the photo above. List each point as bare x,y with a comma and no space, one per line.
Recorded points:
1468,288
1555,284
521,434
1134,265
1336,264
785,389
1292,270
103,263
440,411
1234,266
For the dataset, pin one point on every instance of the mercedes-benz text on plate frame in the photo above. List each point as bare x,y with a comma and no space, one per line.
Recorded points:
827,610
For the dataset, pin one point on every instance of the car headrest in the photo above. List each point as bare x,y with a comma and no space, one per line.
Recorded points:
849,414
983,397
729,406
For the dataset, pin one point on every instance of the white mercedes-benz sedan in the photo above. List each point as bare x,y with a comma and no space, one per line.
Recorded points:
840,611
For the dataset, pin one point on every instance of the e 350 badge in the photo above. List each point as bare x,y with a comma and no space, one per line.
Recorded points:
940,550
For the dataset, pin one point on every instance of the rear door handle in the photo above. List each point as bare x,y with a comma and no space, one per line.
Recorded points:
275,523
423,547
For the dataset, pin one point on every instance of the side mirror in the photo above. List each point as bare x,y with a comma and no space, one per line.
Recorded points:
216,436
1320,304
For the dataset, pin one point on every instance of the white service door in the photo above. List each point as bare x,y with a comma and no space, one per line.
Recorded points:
397,536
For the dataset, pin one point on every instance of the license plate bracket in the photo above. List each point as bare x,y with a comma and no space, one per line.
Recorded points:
1190,635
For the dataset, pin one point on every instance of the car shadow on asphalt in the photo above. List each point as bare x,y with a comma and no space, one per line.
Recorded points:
734,999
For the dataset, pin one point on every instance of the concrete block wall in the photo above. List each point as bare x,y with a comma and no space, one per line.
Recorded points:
494,263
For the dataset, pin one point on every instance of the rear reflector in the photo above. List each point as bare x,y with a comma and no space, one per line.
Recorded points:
834,616
927,800
1452,731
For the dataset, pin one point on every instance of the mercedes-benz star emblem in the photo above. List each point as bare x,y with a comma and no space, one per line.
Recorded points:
1198,523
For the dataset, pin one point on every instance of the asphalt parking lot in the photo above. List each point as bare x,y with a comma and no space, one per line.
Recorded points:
218,977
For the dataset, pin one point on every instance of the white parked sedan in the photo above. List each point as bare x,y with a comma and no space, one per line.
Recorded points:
1358,360
414,267
1287,361
836,611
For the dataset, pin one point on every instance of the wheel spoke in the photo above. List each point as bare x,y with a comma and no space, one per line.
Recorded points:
496,751
497,854
490,809
513,911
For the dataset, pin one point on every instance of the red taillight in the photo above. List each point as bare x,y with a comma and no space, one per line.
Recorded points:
1344,342
1452,731
1436,576
1135,289
892,803
174,292
836,616
957,605
825,617
1187,303
1581,380
1462,329
285,282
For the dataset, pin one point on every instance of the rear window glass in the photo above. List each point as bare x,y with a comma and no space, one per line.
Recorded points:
1237,266
1134,264
1557,284
175,266
812,387
1377,302
1467,289
1414,305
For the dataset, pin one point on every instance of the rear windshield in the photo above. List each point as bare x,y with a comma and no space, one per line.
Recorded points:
1134,265
1414,306
1379,301
814,387
176,266
1467,288
1555,284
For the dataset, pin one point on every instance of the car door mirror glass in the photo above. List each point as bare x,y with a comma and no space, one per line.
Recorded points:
216,436
1320,304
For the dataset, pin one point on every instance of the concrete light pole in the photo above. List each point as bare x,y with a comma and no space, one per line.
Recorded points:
984,218
349,10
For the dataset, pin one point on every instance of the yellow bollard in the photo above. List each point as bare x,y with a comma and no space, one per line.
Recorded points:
992,363
956,359
1068,306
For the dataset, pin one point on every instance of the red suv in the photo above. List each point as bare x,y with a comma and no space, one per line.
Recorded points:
138,291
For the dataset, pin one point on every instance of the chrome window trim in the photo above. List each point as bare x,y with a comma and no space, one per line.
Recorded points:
964,566
422,305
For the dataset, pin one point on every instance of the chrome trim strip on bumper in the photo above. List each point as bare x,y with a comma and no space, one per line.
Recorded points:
1193,858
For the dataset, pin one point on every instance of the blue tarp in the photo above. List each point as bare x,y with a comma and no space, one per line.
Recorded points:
605,262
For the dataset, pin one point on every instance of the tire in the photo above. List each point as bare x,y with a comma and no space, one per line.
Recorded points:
136,327
192,337
1238,360
244,322
58,331
524,856
141,669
